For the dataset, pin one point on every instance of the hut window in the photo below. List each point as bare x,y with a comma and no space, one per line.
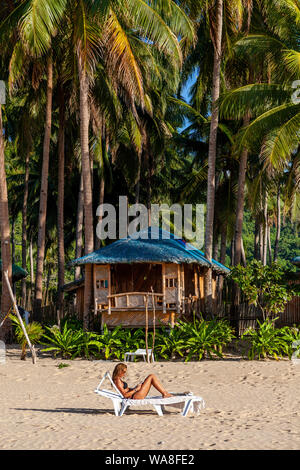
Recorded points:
102,283
171,282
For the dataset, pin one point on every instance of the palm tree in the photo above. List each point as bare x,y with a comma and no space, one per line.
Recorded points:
212,150
103,29
5,236
60,199
37,21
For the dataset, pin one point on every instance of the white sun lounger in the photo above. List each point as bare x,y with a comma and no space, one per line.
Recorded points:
187,402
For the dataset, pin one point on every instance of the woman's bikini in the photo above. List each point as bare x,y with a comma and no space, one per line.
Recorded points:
126,386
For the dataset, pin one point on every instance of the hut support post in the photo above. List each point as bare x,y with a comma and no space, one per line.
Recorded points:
109,289
178,289
146,326
95,290
164,286
153,338
182,289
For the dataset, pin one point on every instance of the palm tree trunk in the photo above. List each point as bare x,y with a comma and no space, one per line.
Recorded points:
265,231
240,203
79,227
44,190
222,260
13,250
256,240
261,241
243,255
223,243
24,225
212,150
269,245
101,201
60,202
5,331
278,228
31,271
87,185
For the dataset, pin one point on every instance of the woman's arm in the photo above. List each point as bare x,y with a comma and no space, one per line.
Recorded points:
126,392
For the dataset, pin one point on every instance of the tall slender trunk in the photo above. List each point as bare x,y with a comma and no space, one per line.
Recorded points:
101,201
269,245
60,202
44,190
46,298
87,185
149,186
239,254
215,248
223,243
256,240
31,270
5,331
265,230
79,228
240,203
24,225
13,250
222,260
212,150
243,255
261,241
278,228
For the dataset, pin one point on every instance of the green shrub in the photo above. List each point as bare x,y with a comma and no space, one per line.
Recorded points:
289,335
34,331
205,338
169,343
70,343
266,341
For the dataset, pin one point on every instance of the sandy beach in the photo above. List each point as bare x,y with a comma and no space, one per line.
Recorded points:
249,405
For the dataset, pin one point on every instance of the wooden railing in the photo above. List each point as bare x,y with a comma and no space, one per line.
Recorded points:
129,300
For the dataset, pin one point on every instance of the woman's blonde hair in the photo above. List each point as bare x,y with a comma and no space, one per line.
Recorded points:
119,368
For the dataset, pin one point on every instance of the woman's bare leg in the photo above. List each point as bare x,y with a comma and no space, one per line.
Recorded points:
146,385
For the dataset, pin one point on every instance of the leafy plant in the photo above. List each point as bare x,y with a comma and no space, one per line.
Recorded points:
266,341
73,323
71,343
206,337
169,342
289,335
264,286
112,342
34,331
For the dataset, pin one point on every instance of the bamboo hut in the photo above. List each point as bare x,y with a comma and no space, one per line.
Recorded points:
160,269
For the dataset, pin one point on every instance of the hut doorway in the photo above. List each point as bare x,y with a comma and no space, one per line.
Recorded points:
136,278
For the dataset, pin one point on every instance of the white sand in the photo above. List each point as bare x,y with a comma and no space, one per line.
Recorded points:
249,405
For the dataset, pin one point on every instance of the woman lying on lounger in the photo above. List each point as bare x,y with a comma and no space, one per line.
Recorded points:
141,390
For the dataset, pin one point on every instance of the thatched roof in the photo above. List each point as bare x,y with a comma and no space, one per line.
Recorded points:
73,285
160,247
296,260
17,272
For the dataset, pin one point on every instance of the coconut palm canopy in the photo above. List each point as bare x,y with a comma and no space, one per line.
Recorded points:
160,246
18,273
